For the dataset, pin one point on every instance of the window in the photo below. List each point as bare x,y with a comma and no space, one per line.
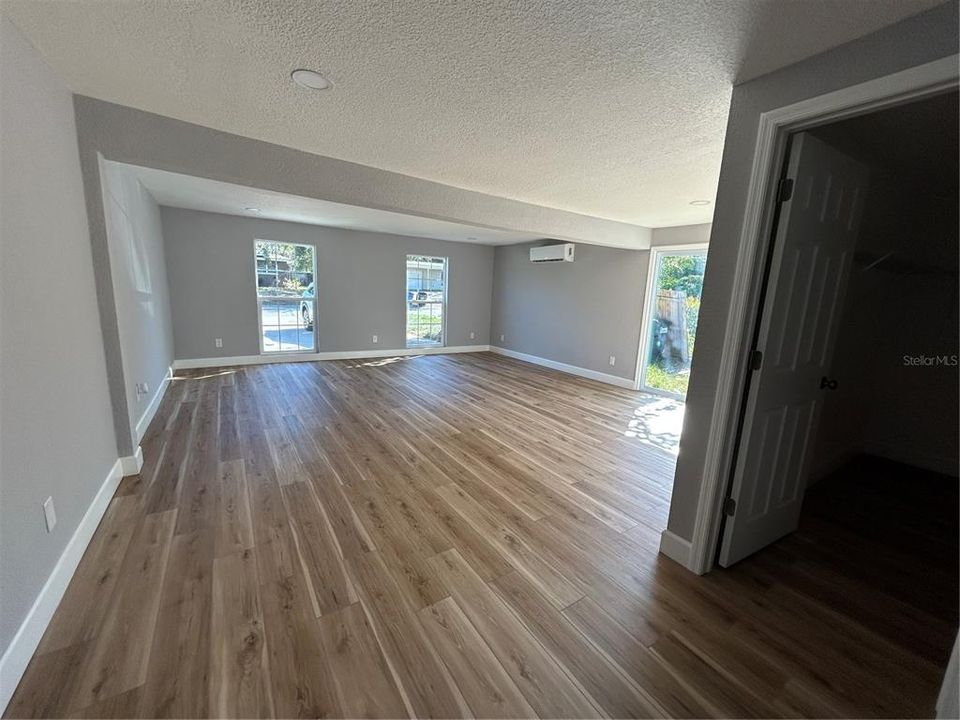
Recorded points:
426,300
286,296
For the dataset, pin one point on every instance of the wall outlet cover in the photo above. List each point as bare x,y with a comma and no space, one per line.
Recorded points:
501,338
613,360
376,338
218,342
473,335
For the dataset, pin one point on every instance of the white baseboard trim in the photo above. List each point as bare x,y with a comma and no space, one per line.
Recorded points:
563,367
18,654
215,362
132,464
144,422
676,548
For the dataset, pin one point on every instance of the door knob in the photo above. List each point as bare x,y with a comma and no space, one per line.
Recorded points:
827,383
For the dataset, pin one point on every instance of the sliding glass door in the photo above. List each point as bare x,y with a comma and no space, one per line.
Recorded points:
672,309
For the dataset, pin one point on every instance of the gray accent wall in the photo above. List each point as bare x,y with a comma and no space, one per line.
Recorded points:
577,313
139,275
361,284
923,38
56,426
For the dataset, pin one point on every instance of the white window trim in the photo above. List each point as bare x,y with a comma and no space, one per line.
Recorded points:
413,345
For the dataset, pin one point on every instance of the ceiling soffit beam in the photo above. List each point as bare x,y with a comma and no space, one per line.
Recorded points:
124,134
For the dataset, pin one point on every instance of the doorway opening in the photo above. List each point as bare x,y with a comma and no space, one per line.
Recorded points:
849,442
856,346
674,287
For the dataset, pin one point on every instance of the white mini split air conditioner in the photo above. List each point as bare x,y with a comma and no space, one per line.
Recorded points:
552,253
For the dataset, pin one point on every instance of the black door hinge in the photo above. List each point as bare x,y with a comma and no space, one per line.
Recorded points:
785,190
756,360
729,507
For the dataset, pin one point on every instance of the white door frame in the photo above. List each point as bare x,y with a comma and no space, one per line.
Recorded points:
774,127
655,252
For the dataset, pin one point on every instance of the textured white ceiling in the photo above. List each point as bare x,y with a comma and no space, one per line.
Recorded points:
194,193
611,108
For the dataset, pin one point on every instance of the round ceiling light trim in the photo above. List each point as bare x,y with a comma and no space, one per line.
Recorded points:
699,203
310,79
252,209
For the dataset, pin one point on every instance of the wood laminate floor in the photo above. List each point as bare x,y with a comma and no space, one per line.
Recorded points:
454,536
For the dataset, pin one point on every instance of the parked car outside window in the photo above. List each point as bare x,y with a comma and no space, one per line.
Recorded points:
416,298
306,307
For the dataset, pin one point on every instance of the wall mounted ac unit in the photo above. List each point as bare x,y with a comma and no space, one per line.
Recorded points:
552,253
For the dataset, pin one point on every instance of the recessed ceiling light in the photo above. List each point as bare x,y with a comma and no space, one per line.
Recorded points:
471,237
310,79
699,203
252,209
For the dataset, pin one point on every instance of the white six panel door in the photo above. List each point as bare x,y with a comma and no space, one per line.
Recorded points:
814,244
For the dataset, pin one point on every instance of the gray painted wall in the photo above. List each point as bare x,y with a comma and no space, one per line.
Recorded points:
577,313
682,235
361,280
139,273
922,38
56,429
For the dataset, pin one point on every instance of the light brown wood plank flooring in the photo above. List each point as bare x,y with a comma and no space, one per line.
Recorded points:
447,536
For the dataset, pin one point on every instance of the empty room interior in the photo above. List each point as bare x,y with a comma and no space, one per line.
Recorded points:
479,359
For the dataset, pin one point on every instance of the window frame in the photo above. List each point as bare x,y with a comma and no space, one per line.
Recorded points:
657,252
259,300
413,345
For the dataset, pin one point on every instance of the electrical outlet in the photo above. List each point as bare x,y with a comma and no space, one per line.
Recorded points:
501,338
218,342
376,339
613,360
49,514
473,335
142,389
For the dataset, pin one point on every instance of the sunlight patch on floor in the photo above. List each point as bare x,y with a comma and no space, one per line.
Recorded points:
657,421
